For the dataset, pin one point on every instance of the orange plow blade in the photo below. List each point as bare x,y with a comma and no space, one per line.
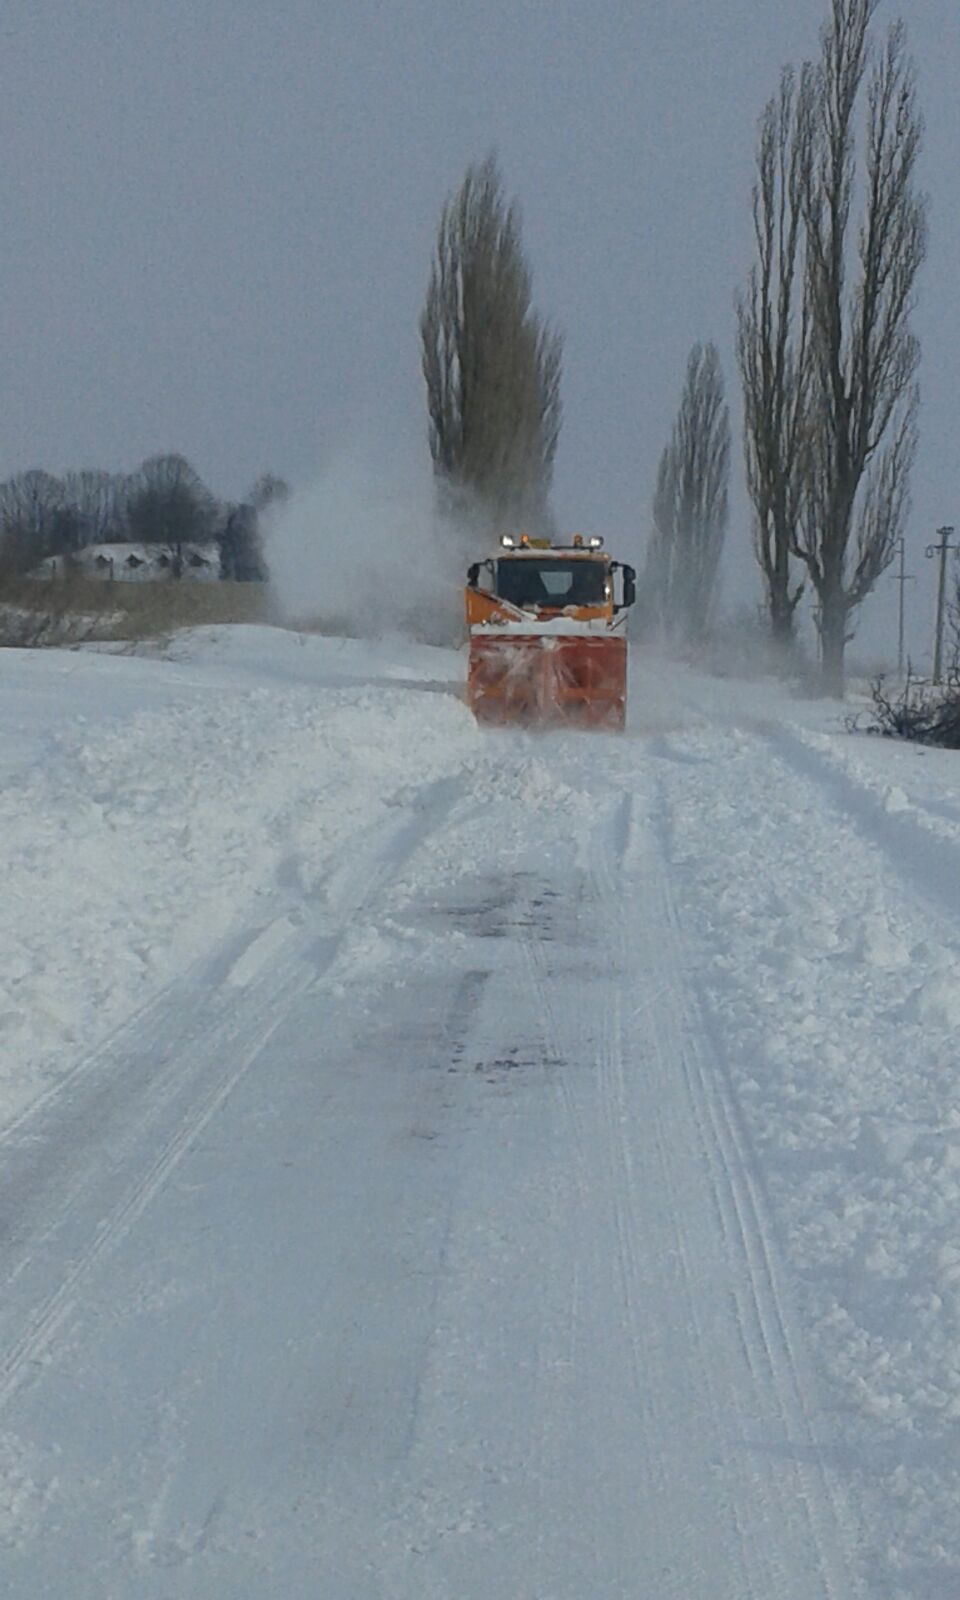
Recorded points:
548,680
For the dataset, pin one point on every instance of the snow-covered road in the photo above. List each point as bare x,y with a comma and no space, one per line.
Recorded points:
533,1177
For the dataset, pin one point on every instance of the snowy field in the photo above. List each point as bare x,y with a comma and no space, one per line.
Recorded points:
445,1165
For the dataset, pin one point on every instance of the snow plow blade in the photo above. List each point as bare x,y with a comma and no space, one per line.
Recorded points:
548,680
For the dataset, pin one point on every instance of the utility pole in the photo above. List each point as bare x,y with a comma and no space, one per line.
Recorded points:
942,550
903,578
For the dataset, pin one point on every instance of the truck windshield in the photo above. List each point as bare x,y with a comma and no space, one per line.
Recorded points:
527,581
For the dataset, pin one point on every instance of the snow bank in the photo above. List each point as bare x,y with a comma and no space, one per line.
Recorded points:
151,808
133,840
822,876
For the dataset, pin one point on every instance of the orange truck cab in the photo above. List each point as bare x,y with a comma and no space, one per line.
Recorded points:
547,627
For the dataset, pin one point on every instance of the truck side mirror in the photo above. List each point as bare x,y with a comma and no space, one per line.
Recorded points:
629,583
473,575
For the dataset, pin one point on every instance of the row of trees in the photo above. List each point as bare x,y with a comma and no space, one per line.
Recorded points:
826,356
165,502
825,346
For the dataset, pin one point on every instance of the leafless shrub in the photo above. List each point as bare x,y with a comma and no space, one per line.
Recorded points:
924,712
919,711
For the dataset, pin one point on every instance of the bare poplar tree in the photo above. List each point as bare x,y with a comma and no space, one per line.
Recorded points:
863,400
773,344
491,365
690,505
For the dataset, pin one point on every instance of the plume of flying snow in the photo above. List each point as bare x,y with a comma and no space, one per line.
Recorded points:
365,551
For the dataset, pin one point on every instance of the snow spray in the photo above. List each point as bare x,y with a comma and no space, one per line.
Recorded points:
367,553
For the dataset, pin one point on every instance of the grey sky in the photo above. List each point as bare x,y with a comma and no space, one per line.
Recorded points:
217,220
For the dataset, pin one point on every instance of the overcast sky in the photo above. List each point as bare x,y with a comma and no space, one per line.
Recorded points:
217,218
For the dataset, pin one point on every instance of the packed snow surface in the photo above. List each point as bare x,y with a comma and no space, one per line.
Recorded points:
451,1165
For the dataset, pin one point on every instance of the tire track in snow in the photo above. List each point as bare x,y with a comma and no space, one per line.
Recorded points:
60,1199
600,1108
533,950
35,1339
820,939
674,1025
630,1229
584,1151
926,864
464,1004
528,1029
609,849
612,847
315,923
748,1223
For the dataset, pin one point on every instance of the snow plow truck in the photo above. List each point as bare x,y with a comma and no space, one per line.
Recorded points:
548,638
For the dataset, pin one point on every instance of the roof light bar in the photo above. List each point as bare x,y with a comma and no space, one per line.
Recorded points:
507,541
596,543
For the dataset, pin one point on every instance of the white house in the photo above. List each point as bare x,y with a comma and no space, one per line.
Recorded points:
138,563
